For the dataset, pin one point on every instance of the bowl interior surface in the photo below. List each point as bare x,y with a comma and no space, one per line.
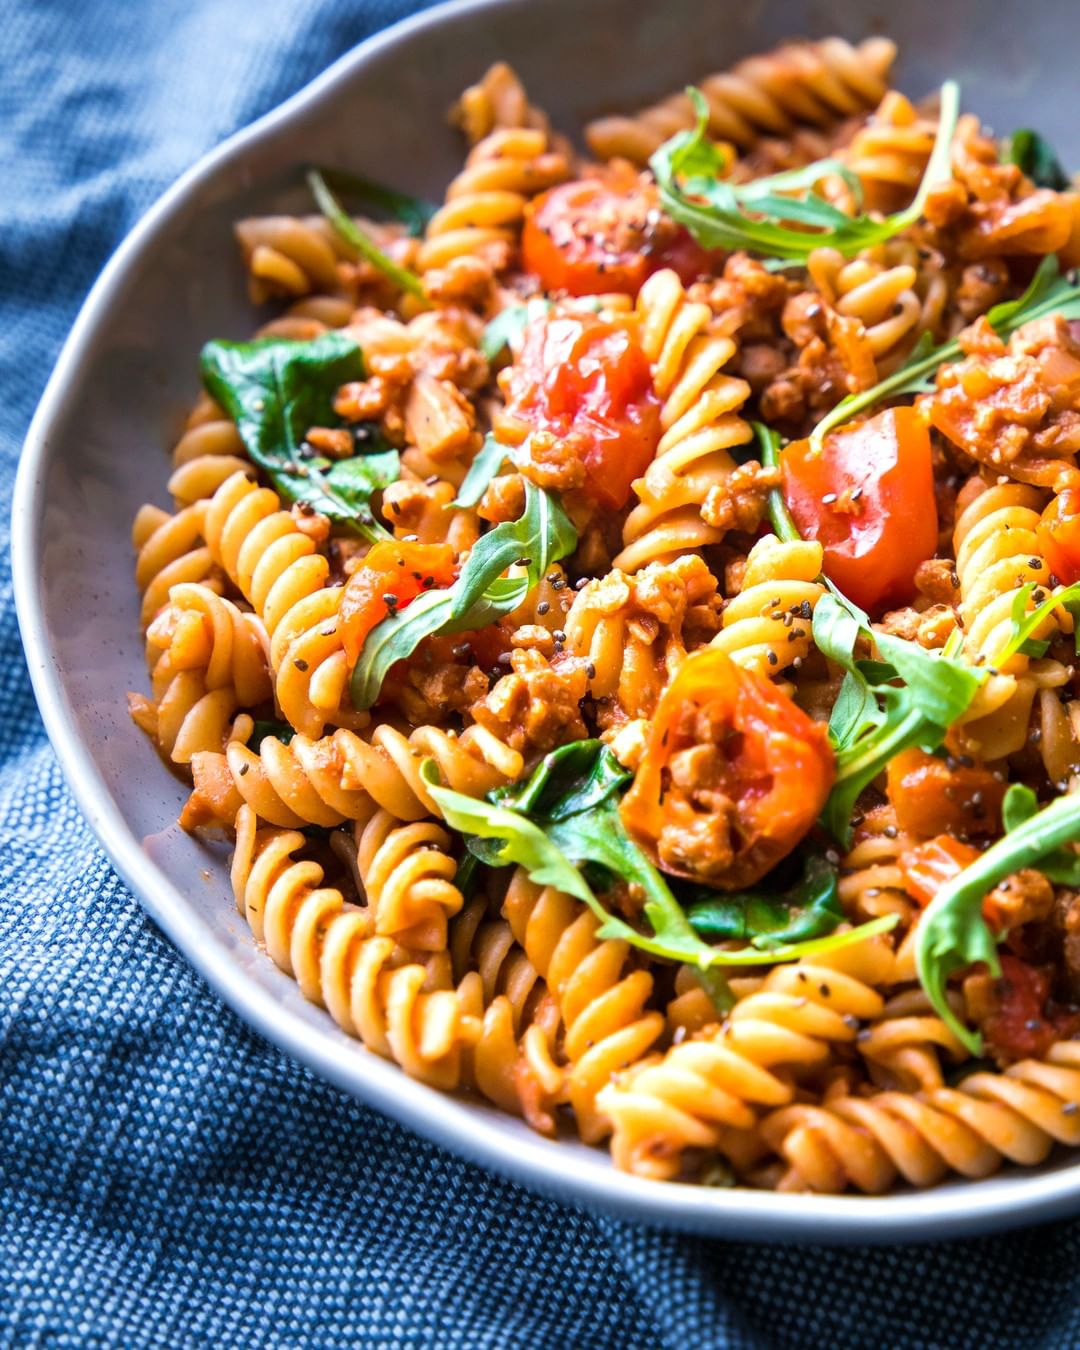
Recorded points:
98,449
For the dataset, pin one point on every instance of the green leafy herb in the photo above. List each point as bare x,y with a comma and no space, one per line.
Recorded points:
275,390
482,470
780,517
278,731
761,216
1048,293
809,909
413,212
1036,158
508,325
1023,624
540,536
952,933
918,695
565,816
347,230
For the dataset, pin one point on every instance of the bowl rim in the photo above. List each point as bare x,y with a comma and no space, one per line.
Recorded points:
453,1122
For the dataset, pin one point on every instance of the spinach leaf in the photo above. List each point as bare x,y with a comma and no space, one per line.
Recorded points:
347,229
566,816
1048,293
413,212
486,466
762,216
952,933
279,731
540,536
275,390
809,909
1036,158
936,689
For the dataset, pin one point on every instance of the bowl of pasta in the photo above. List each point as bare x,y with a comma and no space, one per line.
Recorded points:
597,679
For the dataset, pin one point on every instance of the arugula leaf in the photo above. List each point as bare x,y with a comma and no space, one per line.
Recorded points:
689,171
1048,293
540,536
275,390
566,814
347,229
952,933
937,689
412,212
809,909
1036,158
780,517
279,731
508,325
1018,807
1023,624
486,466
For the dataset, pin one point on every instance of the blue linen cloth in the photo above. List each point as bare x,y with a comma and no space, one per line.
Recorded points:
166,1178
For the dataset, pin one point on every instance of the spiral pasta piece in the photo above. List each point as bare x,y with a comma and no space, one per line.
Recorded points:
688,1096
206,660
510,1062
388,766
289,256
497,100
881,297
890,152
866,1143
485,203
871,883
767,626
799,83
408,877
601,998
682,488
367,983
277,568
997,554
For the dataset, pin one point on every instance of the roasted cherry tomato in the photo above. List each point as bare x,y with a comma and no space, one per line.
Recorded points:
929,866
390,576
868,498
586,381
734,775
1059,536
591,238
931,795
1022,1024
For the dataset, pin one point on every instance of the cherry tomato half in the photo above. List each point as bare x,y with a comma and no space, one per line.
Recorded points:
390,576
734,776
1059,536
1022,1024
591,238
931,795
868,498
586,375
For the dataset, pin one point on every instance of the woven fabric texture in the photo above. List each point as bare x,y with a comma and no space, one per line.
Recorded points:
166,1178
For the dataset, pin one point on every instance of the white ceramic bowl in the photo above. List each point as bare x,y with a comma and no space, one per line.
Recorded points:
128,373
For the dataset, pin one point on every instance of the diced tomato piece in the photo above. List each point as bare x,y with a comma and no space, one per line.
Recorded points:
586,378
592,237
734,776
929,866
391,575
1022,1024
932,795
868,498
1059,536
